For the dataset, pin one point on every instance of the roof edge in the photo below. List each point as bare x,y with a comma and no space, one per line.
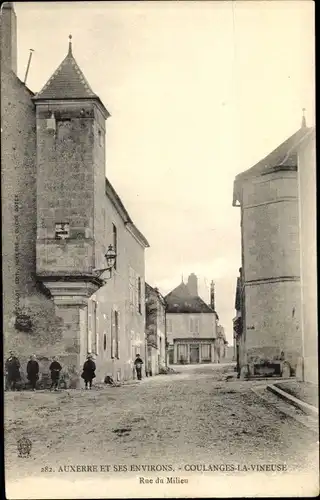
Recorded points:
73,99
117,203
299,136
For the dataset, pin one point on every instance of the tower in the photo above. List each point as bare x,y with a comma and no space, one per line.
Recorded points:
70,122
8,37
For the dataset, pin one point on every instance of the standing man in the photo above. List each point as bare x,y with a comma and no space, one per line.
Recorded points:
55,369
12,371
138,364
88,373
33,371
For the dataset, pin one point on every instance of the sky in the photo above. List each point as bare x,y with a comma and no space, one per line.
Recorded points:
198,92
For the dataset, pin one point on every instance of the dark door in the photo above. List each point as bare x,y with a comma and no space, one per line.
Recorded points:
170,352
194,353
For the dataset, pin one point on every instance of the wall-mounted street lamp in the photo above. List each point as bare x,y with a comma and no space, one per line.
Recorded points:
111,258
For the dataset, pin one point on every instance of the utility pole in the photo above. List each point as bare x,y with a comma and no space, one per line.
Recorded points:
27,71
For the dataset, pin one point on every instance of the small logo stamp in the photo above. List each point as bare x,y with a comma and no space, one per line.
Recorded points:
24,446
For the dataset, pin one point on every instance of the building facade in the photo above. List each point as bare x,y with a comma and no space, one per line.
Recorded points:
269,292
308,254
220,345
60,214
155,331
191,325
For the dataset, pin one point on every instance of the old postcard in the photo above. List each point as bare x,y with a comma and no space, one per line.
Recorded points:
159,249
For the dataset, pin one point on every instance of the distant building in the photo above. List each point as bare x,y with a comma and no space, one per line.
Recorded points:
155,330
238,338
59,216
191,324
268,322
220,345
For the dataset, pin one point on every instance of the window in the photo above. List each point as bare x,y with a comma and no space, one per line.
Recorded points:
115,352
194,326
94,329
131,287
135,291
169,325
115,242
116,324
182,353
104,341
62,230
206,352
92,345
100,137
139,295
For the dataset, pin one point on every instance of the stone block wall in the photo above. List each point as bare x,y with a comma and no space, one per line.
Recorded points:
270,226
308,207
273,321
271,268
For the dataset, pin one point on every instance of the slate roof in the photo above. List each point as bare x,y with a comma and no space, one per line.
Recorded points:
67,82
283,157
181,301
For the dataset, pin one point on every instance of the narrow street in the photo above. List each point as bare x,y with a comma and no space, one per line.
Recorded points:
194,417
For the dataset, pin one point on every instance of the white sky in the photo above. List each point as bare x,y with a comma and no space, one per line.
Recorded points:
198,92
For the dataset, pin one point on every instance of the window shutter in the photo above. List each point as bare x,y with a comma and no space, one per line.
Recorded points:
89,336
191,325
112,334
97,334
197,325
117,326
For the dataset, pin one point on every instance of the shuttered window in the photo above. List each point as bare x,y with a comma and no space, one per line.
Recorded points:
194,326
206,352
182,352
115,341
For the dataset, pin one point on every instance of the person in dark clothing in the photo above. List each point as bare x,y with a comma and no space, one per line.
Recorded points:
88,373
55,369
12,368
33,372
138,364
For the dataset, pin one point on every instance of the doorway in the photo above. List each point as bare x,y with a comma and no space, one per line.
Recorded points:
194,353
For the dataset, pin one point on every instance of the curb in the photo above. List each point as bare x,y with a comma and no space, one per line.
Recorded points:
304,420
305,407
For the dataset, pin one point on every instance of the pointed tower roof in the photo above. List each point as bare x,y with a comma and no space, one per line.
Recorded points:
67,82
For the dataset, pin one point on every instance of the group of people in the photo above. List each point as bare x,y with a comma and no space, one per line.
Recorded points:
13,376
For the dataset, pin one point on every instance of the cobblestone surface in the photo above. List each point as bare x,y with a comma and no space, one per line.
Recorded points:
194,417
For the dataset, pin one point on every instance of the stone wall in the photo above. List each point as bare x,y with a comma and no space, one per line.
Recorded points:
273,321
18,146
307,178
271,268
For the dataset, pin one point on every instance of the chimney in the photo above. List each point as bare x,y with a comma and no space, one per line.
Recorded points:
8,37
193,285
212,297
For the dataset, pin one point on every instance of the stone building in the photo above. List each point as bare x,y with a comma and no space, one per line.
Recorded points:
60,214
308,253
155,330
237,323
191,324
220,345
269,292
